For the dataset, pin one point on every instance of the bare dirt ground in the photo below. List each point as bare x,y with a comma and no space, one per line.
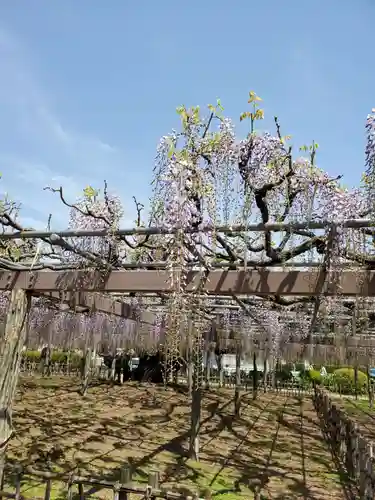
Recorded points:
275,448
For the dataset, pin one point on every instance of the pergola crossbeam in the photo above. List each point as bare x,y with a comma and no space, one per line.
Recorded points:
245,282
81,301
237,228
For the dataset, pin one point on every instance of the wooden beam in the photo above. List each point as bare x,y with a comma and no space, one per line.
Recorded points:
246,282
97,302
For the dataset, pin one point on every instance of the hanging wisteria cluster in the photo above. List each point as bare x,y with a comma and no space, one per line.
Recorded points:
256,179
68,330
205,175
370,157
94,211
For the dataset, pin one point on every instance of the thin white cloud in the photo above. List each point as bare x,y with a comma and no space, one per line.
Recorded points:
36,148
42,176
68,139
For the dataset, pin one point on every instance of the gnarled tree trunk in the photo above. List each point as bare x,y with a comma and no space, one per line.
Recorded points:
10,359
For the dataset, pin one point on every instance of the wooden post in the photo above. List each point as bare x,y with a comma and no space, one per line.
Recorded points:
354,332
196,400
190,360
196,403
10,358
125,479
81,491
48,369
219,362
70,484
208,368
369,387
113,369
18,472
86,371
153,482
237,390
255,375
275,369
47,493
265,374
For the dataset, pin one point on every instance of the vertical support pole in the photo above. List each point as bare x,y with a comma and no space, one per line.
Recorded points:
190,365
237,390
153,483
370,388
10,359
354,333
86,371
255,375
47,493
49,351
18,472
208,367
125,479
265,371
196,400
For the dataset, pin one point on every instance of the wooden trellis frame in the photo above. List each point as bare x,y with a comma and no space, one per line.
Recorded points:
218,282
84,302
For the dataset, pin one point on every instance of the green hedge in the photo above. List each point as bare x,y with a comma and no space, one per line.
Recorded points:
314,376
283,373
344,379
31,356
60,357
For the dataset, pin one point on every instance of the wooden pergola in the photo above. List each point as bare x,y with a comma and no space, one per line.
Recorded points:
93,290
87,290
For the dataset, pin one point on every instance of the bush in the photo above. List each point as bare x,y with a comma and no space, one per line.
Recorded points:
75,360
329,380
314,376
60,357
304,383
344,379
31,356
283,373
332,368
304,375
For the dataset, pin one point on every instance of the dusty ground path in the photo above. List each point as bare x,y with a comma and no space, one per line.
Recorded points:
275,448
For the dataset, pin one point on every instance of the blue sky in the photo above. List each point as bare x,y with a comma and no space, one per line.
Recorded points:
87,87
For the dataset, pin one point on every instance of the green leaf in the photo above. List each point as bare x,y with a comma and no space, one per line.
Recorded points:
218,102
89,192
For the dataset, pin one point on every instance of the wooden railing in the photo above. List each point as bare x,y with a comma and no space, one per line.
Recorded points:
289,388
60,369
349,447
34,368
76,484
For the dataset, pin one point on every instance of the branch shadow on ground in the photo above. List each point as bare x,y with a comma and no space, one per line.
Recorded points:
146,427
